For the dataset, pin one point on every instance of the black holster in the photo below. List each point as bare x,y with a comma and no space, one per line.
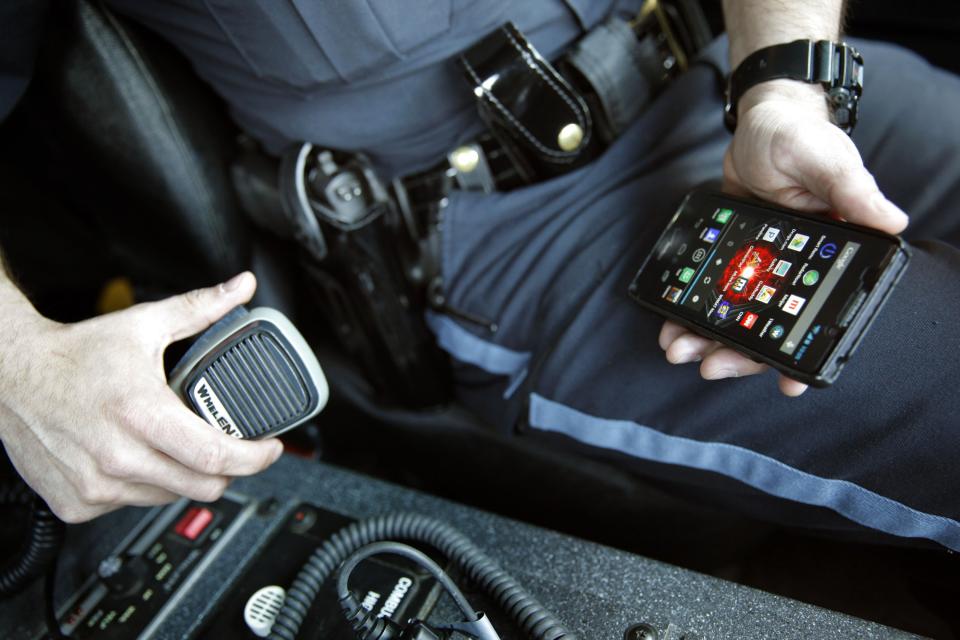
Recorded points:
362,265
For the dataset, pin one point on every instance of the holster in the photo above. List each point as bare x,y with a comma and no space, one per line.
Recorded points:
360,259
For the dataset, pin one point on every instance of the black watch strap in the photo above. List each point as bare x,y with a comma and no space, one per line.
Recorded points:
838,67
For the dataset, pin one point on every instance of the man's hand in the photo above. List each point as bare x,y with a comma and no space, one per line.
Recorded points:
787,151
87,417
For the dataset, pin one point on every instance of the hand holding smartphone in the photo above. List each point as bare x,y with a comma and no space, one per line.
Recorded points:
793,290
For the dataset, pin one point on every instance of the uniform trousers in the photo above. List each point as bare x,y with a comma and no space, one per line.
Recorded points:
575,362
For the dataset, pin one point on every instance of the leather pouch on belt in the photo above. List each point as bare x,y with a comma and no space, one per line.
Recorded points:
541,121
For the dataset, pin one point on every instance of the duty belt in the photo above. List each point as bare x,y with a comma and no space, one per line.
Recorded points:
372,250
543,120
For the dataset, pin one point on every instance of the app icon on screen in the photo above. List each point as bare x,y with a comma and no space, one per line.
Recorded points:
686,275
765,294
782,268
828,250
798,242
793,304
811,277
749,319
722,215
710,235
771,234
739,284
776,331
672,294
723,309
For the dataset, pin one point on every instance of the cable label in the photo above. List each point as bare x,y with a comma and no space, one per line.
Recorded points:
212,409
396,597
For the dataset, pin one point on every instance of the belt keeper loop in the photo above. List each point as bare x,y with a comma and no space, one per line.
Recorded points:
471,168
653,10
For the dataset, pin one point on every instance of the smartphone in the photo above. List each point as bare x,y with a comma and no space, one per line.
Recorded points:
796,291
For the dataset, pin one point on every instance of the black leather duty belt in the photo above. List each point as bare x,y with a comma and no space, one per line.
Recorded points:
371,249
544,119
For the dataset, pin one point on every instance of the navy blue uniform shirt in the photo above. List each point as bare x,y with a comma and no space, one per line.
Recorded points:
366,75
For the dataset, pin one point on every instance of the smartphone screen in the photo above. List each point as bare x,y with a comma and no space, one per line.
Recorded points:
785,286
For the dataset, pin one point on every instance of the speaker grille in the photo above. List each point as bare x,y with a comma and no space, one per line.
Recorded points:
259,384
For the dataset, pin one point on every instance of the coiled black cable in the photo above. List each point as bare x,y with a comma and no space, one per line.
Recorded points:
532,617
366,624
43,539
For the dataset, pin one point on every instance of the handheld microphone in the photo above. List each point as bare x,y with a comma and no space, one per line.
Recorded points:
251,375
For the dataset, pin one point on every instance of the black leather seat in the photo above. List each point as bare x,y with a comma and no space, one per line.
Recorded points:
133,143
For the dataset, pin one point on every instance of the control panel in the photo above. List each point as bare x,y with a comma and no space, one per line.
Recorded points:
134,585
212,571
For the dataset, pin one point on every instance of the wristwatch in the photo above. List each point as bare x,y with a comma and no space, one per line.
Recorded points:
836,66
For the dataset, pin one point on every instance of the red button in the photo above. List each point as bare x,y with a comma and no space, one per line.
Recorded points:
194,521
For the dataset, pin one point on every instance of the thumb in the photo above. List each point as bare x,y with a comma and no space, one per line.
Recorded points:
835,174
189,313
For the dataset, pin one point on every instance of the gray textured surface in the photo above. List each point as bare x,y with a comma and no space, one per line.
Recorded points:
595,590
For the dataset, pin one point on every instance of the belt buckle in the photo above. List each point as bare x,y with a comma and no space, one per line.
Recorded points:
658,22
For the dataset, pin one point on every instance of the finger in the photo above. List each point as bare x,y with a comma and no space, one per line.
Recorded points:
77,512
669,332
149,467
727,363
197,445
836,175
791,387
175,478
110,496
143,495
689,347
187,314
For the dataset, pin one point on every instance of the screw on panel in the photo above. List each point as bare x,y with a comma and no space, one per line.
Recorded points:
642,631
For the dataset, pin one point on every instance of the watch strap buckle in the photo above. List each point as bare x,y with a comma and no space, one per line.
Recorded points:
837,67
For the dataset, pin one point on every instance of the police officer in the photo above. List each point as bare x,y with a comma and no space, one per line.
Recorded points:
88,421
